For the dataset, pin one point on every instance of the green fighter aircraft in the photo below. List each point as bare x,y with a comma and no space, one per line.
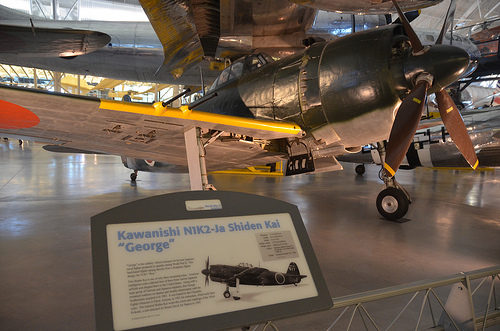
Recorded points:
327,100
349,91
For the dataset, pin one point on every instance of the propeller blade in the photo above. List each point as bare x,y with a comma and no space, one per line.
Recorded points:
456,127
206,272
447,22
415,42
404,127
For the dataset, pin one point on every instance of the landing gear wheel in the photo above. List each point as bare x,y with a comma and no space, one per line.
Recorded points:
133,176
360,169
227,295
392,203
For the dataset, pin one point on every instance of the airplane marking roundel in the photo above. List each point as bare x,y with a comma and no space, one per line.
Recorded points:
13,116
280,278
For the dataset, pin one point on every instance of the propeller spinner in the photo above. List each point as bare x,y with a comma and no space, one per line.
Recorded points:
431,68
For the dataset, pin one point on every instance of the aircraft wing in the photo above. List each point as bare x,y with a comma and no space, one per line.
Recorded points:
108,83
136,130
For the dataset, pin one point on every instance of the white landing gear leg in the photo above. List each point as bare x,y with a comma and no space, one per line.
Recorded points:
196,160
237,295
394,200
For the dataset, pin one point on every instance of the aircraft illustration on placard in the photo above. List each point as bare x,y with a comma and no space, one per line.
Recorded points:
433,148
246,274
327,100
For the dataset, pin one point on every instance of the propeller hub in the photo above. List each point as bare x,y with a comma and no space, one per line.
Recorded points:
444,62
206,272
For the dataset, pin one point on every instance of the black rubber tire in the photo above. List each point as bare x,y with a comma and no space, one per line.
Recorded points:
360,169
133,177
392,204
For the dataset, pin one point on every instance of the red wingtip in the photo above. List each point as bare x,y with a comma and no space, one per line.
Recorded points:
14,117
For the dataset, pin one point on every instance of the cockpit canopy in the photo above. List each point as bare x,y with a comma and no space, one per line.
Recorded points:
240,67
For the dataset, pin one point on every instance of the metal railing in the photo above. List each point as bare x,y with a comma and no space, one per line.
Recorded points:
458,313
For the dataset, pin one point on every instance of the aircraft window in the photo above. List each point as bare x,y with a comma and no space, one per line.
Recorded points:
255,64
231,72
237,69
224,76
429,37
267,58
214,84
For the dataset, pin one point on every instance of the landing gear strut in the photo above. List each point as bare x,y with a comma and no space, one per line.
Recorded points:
394,200
227,294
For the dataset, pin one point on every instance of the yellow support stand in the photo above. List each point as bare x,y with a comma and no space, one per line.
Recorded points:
256,171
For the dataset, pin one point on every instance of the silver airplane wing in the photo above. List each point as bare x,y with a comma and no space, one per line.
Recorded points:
144,131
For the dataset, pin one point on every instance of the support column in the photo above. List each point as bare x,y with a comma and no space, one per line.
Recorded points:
196,159
35,79
57,81
78,86
176,90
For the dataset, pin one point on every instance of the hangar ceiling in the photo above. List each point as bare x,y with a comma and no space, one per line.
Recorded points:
468,14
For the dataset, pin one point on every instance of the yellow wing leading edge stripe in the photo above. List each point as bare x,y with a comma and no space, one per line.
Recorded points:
183,112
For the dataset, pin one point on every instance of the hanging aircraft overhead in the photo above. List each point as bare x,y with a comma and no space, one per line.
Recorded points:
176,43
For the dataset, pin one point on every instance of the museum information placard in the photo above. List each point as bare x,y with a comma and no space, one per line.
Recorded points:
164,272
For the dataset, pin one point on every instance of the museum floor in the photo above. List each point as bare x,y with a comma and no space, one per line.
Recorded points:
47,199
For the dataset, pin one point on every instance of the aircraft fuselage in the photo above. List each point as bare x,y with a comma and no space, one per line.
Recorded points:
250,276
344,91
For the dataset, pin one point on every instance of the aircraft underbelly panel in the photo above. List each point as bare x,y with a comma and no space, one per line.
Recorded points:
364,6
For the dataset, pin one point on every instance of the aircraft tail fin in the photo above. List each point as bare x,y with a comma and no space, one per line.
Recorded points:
293,269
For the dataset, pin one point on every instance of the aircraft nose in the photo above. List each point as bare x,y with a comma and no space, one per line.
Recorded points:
445,63
206,272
